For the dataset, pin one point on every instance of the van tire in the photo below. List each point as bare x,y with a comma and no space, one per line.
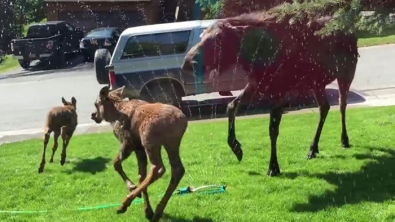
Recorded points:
163,91
101,59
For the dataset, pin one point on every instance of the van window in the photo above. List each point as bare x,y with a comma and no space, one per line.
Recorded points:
156,44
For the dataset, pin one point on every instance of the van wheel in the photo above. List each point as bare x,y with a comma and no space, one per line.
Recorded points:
102,58
163,92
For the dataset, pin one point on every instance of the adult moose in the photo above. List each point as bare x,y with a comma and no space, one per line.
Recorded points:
278,56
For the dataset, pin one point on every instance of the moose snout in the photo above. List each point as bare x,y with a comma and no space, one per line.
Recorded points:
93,115
95,118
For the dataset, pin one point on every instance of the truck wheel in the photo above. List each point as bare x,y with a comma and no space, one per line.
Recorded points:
164,91
101,59
87,57
59,60
25,64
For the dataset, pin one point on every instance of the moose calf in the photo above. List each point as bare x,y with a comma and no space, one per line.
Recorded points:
152,125
62,120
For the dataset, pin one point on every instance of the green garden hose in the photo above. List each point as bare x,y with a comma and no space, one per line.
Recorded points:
208,189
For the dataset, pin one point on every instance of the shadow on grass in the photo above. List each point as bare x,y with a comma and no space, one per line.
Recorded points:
167,217
92,166
254,173
373,183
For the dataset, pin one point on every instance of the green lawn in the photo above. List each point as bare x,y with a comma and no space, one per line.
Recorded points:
365,42
368,39
340,185
8,63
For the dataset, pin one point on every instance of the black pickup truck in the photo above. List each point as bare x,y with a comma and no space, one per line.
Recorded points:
50,40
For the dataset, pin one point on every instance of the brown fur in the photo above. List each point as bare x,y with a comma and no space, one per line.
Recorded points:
151,125
62,120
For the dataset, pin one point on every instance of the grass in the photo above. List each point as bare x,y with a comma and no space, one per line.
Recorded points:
8,63
340,185
367,39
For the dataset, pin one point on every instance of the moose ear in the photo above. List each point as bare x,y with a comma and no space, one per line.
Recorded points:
104,91
64,101
117,92
122,93
73,101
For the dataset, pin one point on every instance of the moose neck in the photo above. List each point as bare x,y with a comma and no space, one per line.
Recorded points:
117,113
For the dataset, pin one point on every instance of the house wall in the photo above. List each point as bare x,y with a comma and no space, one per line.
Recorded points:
150,10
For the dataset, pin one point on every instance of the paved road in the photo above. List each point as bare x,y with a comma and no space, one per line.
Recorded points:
26,100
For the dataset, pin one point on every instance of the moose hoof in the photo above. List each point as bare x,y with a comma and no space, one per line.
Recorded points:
122,209
51,161
273,172
40,170
345,142
235,146
274,169
149,213
312,153
156,217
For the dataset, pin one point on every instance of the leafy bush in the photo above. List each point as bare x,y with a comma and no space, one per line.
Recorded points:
347,12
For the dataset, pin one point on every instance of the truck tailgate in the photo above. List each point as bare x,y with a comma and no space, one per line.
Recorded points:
34,48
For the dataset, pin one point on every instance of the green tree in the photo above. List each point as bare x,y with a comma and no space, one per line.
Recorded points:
237,7
6,24
29,10
347,12
15,14
348,16
211,8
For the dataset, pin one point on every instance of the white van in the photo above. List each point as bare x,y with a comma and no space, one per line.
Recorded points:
148,59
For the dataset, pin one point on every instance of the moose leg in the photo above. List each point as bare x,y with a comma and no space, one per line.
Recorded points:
142,164
344,87
324,107
274,125
124,153
177,172
233,143
47,134
55,144
157,171
66,134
